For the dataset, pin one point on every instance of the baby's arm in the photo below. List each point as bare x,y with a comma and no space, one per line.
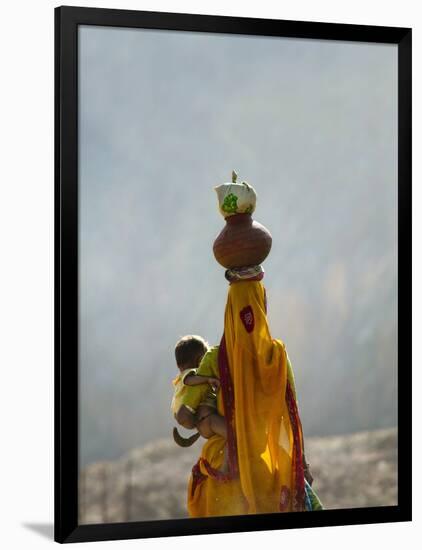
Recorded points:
196,379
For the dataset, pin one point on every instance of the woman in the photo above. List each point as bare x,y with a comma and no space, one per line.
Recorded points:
265,463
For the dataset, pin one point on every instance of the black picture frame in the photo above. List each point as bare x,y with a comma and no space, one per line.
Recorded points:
67,20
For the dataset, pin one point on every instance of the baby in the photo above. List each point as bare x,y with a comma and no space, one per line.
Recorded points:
189,351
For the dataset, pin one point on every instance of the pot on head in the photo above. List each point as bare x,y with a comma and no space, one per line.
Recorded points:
243,241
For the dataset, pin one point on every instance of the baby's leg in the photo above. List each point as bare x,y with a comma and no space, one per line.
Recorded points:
210,423
203,424
218,425
204,428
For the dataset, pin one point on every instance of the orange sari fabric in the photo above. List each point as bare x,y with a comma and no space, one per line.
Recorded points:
265,439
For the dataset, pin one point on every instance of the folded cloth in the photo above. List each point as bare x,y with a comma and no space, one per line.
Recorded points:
312,502
244,273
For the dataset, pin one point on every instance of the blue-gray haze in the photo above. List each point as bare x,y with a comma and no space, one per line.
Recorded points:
164,117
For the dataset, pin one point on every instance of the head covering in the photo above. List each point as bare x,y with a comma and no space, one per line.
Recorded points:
264,429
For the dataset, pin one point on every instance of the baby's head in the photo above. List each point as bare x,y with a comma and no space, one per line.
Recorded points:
189,351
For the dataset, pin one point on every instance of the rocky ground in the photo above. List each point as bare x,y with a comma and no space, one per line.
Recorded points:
350,471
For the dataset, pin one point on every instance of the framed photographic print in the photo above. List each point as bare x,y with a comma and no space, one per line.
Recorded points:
232,274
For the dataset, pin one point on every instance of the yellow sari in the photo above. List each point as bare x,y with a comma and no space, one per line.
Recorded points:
265,439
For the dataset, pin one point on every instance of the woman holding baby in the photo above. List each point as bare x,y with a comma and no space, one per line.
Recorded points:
259,467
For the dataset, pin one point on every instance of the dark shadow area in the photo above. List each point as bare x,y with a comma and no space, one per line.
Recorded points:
44,529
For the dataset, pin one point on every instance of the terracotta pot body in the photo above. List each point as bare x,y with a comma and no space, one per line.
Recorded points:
243,242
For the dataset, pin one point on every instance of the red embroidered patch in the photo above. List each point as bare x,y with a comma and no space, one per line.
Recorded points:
247,318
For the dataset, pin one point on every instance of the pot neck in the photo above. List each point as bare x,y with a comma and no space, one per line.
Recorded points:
238,218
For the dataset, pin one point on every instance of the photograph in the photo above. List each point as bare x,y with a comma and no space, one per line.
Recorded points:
208,226
237,301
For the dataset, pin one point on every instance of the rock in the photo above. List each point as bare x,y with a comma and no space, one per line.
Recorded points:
150,483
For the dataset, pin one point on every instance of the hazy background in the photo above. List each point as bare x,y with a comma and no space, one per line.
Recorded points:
166,116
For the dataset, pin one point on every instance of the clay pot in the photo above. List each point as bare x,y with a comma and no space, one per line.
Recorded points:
243,242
